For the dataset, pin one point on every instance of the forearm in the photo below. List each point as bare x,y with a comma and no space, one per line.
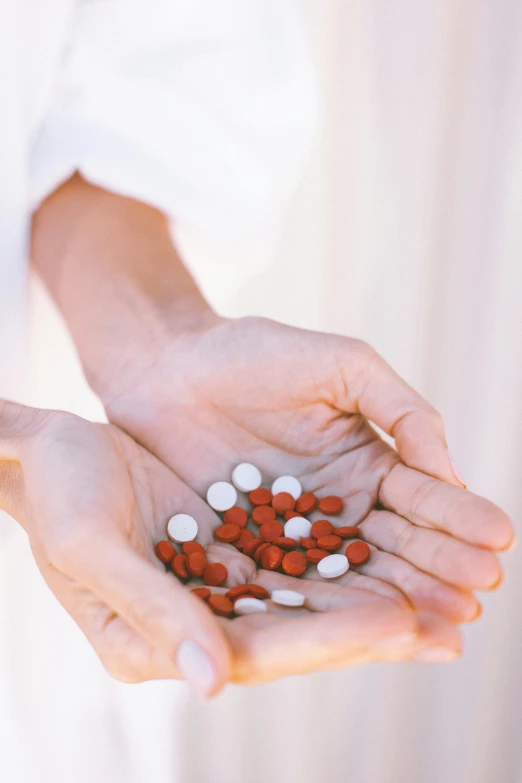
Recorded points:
114,272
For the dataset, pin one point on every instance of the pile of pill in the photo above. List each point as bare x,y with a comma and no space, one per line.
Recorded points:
285,540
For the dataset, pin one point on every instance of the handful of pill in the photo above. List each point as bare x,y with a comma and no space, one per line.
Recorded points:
290,544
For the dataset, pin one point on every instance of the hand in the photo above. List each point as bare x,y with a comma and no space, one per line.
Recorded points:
298,402
94,502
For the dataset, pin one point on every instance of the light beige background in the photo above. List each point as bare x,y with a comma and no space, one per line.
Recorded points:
407,231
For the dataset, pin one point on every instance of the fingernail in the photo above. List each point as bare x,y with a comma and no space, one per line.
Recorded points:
457,471
513,545
196,667
436,655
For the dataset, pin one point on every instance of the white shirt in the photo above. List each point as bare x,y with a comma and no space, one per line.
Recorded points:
201,108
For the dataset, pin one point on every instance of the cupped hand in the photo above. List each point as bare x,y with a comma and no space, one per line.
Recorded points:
94,503
302,403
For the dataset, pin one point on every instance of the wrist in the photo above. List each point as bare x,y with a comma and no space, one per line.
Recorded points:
112,268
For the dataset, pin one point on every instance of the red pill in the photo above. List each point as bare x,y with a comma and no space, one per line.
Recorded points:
329,543
179,566
192,546
322,528
348,531
307,542
259,551
306,503
215,574
331,505
221,605
196,563
271,530
202,592
285,542
237,591
315,555
358,552
271,558
235,516
262,514
244,537
165,551
227,533
282,502
251,546
260,497
256,591
294,563
290,514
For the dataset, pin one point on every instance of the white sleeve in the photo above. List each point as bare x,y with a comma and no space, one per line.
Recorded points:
202,108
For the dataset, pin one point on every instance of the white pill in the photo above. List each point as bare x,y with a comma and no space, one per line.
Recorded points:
332,566
287,484
182,527
249,605
287,598
221,496
246,477
297,527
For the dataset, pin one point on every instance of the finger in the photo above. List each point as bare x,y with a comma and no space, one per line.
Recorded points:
360,582
431,503
432,551
425,592
323,596
439,641
269,646
156,606
376,391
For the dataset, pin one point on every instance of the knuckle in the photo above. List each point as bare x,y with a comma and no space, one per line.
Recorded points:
420,496
145,611
63,550
362,349
437,420
404,539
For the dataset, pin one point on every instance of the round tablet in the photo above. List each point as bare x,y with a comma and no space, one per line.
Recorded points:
182,527
287,484
287,598
297,527
246,477
248,605
332,566
221,496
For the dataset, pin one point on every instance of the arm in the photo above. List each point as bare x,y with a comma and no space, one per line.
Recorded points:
112,268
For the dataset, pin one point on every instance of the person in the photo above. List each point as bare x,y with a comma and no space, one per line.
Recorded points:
142,126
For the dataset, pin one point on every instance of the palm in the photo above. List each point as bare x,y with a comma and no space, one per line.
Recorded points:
278,397
93,541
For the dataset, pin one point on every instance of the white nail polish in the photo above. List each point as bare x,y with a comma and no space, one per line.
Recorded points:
196,667
457,471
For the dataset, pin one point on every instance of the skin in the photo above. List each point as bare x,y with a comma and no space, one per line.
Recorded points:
94,502
202,393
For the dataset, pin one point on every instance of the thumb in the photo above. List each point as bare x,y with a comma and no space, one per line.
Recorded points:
156,606
372,388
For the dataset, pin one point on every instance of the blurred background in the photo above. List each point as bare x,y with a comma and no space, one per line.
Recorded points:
406,231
